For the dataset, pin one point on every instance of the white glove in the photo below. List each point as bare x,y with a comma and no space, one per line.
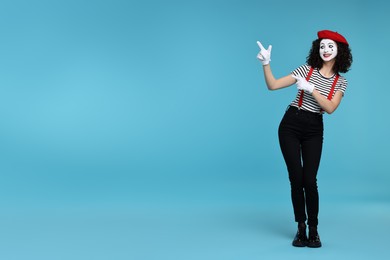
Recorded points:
265,54
302,84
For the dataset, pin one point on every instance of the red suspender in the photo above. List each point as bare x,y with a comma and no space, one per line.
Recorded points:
307,79
333,87
330,95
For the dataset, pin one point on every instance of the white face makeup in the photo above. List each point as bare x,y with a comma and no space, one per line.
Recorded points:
328,49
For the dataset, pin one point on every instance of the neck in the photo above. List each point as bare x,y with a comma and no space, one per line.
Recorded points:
327,68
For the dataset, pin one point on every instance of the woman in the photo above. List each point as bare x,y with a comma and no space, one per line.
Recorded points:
320,88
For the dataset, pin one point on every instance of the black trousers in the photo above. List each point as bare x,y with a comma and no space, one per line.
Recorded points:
300,139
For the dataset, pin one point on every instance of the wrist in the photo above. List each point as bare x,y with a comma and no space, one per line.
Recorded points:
311,88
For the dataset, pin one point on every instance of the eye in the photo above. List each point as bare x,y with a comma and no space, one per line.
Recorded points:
322,46
330,45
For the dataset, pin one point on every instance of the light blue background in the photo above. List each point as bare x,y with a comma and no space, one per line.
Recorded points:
144,130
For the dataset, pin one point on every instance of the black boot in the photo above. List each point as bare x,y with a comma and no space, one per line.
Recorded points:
300,239
314,238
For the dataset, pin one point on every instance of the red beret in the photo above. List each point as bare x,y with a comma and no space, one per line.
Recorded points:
335,36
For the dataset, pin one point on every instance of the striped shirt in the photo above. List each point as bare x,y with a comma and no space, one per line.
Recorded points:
321,83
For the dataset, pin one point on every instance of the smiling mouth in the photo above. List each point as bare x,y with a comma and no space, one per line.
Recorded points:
327,55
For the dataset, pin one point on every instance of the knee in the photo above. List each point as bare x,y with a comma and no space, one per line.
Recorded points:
310,184
296,185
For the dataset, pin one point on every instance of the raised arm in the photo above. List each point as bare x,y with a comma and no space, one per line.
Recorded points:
273,84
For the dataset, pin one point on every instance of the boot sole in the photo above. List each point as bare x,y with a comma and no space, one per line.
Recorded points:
314,246
299,244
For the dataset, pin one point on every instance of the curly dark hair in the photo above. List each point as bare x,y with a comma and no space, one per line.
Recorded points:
343,58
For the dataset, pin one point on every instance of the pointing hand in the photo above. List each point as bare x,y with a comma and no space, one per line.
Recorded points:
265,54
302,84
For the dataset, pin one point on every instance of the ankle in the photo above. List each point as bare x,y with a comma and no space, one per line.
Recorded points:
301,225
314,228
313,231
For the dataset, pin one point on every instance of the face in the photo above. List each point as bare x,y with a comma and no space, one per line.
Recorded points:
328,49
